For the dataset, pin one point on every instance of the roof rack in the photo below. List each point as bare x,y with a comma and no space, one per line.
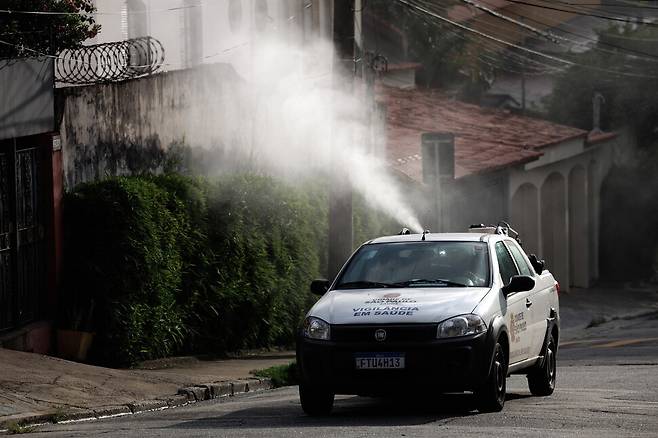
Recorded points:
503,228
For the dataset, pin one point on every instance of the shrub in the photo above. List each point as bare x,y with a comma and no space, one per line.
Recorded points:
123,251
265,243
175,264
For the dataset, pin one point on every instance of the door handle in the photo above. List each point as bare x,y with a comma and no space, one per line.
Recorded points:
528,303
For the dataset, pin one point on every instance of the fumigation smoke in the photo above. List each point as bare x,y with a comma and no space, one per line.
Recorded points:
302,125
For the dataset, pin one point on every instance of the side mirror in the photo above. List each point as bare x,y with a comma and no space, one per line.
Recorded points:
519,283
537,264
319,287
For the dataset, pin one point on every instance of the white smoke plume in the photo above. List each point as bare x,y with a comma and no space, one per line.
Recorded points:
301,122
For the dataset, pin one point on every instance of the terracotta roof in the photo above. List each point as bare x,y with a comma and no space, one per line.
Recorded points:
599,137
405,66
485,138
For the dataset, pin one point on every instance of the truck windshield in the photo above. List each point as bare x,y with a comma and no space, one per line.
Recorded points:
418,264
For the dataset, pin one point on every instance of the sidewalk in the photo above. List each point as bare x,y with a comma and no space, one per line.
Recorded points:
582,310
36,388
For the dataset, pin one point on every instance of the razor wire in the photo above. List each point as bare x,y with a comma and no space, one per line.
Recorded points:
110,62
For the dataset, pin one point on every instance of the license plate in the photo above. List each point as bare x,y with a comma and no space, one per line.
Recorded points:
376,361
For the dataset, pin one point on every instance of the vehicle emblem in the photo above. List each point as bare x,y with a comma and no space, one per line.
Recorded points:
380,335
392,295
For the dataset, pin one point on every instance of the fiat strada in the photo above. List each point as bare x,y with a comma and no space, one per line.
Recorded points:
436,312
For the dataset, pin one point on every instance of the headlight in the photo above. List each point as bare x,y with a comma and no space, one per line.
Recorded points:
462,325
315,328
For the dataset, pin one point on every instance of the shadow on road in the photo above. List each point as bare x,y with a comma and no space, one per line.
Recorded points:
353,411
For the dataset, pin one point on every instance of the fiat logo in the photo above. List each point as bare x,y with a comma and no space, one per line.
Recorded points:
380,335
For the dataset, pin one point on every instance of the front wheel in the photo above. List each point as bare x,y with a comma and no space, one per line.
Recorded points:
541,381
491,395
315,400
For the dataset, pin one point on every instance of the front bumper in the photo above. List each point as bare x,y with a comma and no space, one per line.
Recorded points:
460,364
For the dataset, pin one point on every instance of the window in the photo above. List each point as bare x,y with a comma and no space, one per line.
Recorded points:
505,263
193,33
519,259
261,14
235,15
136,19
137,27
419,264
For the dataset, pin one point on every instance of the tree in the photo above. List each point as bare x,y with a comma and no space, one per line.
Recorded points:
56,25
622,68
448,61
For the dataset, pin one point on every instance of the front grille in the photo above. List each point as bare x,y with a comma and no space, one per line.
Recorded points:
394,333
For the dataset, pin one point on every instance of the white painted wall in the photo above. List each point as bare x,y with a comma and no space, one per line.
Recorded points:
567,178
225,28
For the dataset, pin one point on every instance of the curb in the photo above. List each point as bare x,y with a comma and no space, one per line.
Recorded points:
185,396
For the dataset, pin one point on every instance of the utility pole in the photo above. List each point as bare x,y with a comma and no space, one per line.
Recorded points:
340,190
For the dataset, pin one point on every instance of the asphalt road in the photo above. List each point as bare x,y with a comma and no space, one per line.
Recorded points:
607,385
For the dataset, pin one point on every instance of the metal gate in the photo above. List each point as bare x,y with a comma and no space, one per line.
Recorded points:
22,235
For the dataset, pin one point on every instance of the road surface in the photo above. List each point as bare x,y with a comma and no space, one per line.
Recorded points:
607,382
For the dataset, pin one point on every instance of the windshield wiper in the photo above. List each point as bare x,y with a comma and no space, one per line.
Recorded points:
364,285
441,281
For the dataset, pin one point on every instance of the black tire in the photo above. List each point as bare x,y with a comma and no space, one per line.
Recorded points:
541,381
316,401
491,395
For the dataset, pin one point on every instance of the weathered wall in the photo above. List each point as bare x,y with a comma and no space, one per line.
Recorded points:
26,97
139,126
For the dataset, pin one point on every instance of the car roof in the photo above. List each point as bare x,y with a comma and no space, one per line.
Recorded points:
437,237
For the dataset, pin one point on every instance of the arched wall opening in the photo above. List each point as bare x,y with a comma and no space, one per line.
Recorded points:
578,228
555,245
525,216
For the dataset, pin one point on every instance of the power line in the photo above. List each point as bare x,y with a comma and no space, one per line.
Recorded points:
482,34
516,46
629,6
577,12
562,40
566,24
648,57
548,35
533,67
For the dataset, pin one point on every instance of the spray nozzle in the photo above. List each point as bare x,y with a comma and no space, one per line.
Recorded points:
424,233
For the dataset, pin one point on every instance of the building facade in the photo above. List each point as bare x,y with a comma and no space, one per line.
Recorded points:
195,32
30,205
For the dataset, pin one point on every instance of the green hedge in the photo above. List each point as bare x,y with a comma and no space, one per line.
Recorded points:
123,254
265,241
180,265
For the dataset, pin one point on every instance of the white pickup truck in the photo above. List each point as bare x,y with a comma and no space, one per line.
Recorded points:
431,312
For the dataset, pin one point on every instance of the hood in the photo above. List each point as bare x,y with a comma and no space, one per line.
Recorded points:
396,306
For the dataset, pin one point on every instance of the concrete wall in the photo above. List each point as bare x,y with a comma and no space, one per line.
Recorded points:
26,97
555,201
129,127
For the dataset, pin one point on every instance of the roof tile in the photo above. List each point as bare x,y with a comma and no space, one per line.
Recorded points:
485,138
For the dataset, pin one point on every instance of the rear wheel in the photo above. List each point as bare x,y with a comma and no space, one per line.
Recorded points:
315,400
541,381
491,395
